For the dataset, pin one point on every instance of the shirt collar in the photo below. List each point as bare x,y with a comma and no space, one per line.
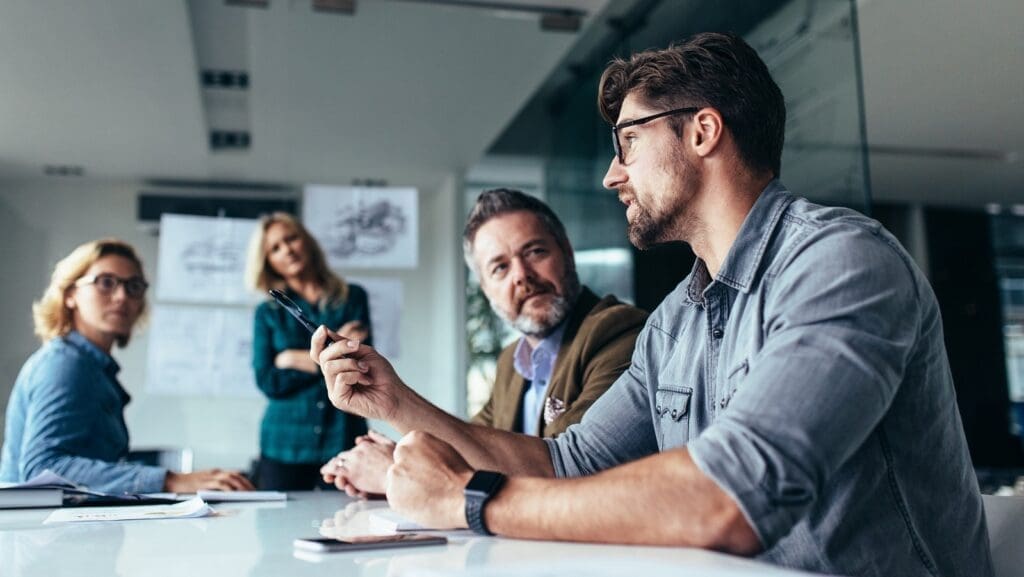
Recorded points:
530,362
106,362
744,258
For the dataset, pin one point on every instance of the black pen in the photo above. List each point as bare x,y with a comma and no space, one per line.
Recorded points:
290,306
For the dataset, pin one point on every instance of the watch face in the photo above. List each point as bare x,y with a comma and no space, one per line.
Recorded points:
484,482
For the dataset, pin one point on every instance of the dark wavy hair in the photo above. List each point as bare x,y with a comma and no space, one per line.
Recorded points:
716,70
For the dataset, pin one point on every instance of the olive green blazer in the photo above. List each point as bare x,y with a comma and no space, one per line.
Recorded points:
596,348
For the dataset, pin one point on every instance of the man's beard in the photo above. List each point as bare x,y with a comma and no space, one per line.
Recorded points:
542,325
647,229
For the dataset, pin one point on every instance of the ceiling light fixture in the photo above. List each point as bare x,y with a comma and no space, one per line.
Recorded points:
249,3
347,7
552,19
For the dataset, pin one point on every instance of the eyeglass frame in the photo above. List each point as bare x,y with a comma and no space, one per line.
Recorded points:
617,146
118,281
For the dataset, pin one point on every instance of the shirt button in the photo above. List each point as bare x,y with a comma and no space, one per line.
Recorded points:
318,429
722,403
675,413
320,404
717,333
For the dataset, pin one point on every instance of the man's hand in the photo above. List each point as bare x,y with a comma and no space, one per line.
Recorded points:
362,470
426,482
210,480
359,380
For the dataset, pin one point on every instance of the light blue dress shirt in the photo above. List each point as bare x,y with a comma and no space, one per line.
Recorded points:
535,365
66,414
809,380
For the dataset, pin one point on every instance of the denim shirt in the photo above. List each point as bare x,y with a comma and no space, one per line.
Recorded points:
536,365
66,414
809,381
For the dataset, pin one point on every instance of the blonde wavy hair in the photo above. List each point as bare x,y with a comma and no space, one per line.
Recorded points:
261,277
50,314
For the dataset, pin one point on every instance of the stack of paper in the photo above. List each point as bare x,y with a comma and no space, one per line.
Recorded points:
234,496
18,498
194,507
44,490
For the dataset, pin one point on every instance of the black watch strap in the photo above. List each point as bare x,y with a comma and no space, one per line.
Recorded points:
481,487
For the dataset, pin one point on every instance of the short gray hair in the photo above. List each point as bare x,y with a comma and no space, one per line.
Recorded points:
498,201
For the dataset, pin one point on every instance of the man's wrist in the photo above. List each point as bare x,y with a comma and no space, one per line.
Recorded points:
480,489
412,412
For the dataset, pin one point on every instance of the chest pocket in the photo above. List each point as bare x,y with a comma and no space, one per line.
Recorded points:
672,414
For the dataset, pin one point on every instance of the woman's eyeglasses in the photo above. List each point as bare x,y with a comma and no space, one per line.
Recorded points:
134,287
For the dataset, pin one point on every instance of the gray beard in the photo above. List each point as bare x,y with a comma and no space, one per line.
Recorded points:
540,328
559,310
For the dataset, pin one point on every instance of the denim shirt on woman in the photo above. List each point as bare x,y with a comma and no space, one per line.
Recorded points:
66,414
809,381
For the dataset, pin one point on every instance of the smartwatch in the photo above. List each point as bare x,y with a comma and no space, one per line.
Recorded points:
481,487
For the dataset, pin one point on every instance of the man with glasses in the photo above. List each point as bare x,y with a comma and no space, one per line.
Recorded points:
791,399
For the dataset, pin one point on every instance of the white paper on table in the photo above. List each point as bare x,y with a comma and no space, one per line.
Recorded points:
45,479
241,496
194,507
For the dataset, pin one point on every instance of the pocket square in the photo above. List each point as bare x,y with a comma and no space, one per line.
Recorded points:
553,408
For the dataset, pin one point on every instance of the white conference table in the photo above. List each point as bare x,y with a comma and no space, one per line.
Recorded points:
255,539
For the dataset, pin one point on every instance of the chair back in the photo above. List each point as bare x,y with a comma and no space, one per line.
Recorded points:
1005,519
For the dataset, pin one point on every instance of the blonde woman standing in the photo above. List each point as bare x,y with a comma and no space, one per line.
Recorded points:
66,411
300,429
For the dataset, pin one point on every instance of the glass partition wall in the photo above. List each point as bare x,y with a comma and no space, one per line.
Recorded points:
559,147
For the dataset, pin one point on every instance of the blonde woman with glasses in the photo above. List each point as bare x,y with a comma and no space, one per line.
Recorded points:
66,411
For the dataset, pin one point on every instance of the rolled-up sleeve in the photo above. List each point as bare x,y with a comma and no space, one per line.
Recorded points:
615,430
841,319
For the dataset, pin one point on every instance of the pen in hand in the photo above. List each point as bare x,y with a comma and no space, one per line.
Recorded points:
293,309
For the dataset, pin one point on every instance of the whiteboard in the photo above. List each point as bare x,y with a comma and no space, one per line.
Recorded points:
385,295
202,260
363,227
201,351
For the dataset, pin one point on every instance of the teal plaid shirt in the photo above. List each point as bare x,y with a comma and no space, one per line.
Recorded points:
300,425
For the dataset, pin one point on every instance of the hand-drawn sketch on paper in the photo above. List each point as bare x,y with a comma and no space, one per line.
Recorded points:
200,351
364,227
202,259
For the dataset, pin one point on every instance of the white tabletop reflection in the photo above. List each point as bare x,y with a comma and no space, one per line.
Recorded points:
255,539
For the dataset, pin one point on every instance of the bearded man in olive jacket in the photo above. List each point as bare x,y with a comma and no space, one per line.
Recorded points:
574,345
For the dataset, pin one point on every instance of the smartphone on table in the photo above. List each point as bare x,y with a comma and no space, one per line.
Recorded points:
293,309
367,542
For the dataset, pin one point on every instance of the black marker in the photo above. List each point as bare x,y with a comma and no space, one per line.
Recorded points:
290,306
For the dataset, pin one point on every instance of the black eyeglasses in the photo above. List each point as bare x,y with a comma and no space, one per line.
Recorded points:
135,287
620,150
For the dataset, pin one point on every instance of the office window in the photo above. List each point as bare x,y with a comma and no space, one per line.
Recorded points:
1008,243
